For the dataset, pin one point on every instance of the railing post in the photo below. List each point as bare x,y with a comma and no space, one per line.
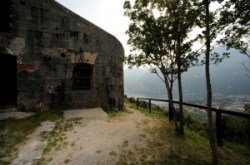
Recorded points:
149,105
137,103
218,129
170,111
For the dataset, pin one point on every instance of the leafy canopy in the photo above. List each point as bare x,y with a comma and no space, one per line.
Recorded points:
155,28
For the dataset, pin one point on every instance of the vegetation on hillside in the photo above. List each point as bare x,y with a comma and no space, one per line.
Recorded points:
164,146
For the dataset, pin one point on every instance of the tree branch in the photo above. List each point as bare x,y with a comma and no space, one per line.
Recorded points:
247,69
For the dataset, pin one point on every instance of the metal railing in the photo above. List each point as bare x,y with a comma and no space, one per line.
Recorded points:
218,111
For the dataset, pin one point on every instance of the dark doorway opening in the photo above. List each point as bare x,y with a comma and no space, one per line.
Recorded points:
8,81
5,16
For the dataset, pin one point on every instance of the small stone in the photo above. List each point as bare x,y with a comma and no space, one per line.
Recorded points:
184,157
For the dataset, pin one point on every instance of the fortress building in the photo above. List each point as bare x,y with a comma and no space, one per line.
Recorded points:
52,58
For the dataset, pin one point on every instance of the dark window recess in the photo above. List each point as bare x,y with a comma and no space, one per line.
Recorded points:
63,55
39,34
5,16
74,34
22,2
57,36
82,77
85,38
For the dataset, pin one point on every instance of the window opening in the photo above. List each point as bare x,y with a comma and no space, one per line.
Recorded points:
22,2
63,55
82,76
74,34
85,38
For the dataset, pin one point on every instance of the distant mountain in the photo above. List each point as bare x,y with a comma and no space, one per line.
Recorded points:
228,77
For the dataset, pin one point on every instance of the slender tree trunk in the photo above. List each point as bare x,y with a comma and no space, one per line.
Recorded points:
181,129
213,146
171,105
170,98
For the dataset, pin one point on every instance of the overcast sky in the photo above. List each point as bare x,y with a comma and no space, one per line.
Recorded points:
107,14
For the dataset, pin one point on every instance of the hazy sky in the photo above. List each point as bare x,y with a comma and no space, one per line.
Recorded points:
107,14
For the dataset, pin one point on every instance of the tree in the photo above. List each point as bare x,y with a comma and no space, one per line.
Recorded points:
166,53
231,21
235,22
181,16
208,83
150,44
162,41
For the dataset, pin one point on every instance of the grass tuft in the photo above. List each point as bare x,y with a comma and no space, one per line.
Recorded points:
115,113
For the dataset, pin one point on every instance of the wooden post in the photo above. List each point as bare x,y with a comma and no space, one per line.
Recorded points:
149,105
218,129
137,103
171,112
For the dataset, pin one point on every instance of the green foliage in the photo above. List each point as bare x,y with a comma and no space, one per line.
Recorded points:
196,126
247,107
237,148
131,100
236,130
154,38
162,40
234,21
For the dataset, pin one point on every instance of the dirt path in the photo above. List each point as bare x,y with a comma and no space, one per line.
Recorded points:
91,137
97,138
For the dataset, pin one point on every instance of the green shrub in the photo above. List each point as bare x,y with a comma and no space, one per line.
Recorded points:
143,104
199,127
236,129
131,100
247,108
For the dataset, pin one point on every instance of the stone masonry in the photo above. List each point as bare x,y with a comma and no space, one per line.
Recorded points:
52,58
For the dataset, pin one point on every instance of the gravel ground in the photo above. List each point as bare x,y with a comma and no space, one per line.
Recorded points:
17,115
97,137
